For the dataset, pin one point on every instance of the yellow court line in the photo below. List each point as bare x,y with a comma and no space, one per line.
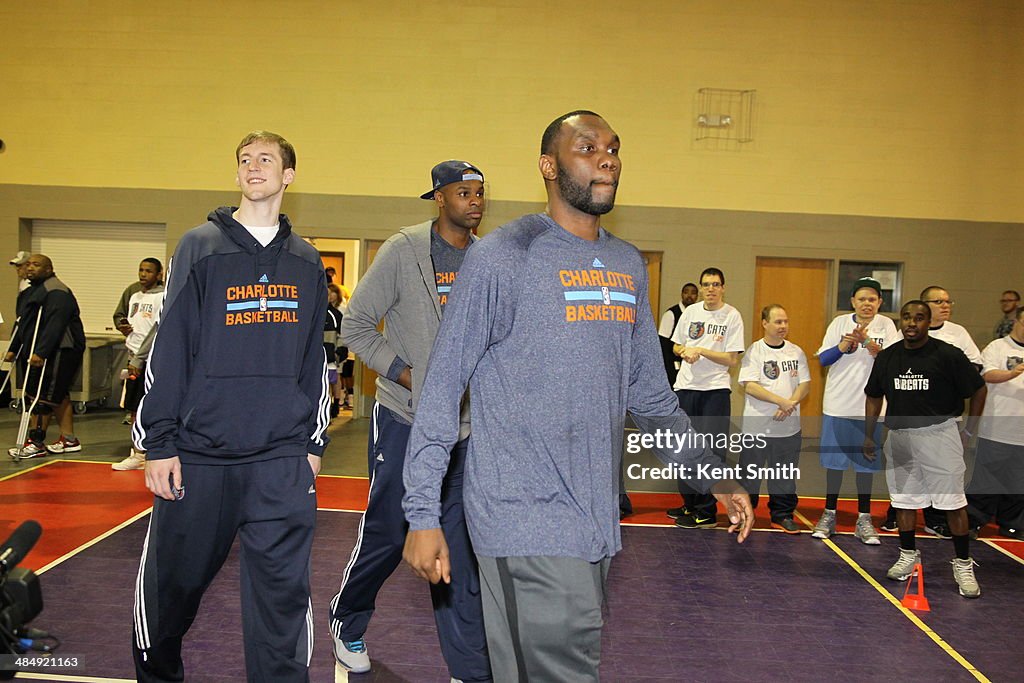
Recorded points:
30,469
914,619
89,544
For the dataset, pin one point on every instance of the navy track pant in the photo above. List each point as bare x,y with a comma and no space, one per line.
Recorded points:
378,551
271,507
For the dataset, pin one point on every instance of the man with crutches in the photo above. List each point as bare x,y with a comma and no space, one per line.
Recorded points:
49,343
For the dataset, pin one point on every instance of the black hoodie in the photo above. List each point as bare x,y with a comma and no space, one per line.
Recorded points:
238,372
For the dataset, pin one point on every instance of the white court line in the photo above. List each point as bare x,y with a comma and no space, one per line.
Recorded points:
29,676
1001,549
89,544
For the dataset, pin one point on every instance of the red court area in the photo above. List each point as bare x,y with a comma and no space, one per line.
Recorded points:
73,501
77,501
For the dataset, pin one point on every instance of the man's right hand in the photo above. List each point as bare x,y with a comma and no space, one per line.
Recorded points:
426,552
125,329
870,449
405,379
160,474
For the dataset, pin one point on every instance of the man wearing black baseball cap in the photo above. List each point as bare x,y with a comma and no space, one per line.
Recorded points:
407,287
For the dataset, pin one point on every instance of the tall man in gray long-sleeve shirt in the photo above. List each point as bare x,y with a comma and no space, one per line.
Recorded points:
407,287
551,327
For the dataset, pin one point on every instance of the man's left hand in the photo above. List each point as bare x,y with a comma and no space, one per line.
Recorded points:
314,463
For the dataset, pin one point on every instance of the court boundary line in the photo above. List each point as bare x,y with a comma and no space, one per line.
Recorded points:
42,464
913,618
31,676
1004,551
88,544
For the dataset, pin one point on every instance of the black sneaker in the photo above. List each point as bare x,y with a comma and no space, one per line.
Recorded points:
890,522
677,513
939,530
695,521
1011,532
786,524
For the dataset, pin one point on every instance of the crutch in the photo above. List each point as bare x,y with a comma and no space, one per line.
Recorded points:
26,410
10,347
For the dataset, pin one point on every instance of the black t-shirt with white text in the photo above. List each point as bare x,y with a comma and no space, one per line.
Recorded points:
923,386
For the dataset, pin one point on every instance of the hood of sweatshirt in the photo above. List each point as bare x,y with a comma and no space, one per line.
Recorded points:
264,258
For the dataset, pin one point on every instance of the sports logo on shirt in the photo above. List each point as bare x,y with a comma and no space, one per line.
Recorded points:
771,369
910,381
696,330
261,303
1013,361
598,295
444,280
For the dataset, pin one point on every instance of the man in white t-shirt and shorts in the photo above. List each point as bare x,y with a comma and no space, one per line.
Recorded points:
709,339
776,379
848,350
997,489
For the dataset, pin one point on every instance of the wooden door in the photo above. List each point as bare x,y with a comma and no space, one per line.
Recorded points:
801,287
653,261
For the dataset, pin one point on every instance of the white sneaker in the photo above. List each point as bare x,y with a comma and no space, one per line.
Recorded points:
826,525
352,655
963,573
29,450
904,566
865,530
134,461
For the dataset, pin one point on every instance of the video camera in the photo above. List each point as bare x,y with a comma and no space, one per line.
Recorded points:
21,598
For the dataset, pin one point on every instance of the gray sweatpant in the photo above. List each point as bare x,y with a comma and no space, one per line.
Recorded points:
543,617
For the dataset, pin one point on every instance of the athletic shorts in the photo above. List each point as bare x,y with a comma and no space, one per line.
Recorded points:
58,376
842,444
332,375
925,466
347,367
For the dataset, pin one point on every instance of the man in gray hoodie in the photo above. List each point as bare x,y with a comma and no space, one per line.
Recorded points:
550,310
407,287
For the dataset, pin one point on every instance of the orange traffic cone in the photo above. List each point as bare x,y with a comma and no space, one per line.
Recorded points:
916,601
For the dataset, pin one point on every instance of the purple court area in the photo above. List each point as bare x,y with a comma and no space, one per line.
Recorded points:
683,605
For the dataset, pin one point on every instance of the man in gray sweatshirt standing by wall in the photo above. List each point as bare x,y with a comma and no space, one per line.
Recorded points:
549,311
407,287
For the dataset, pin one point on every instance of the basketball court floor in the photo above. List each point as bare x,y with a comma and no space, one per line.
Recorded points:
683,605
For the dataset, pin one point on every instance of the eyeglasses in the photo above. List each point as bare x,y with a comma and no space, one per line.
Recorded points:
711,285
1008,301
939,302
